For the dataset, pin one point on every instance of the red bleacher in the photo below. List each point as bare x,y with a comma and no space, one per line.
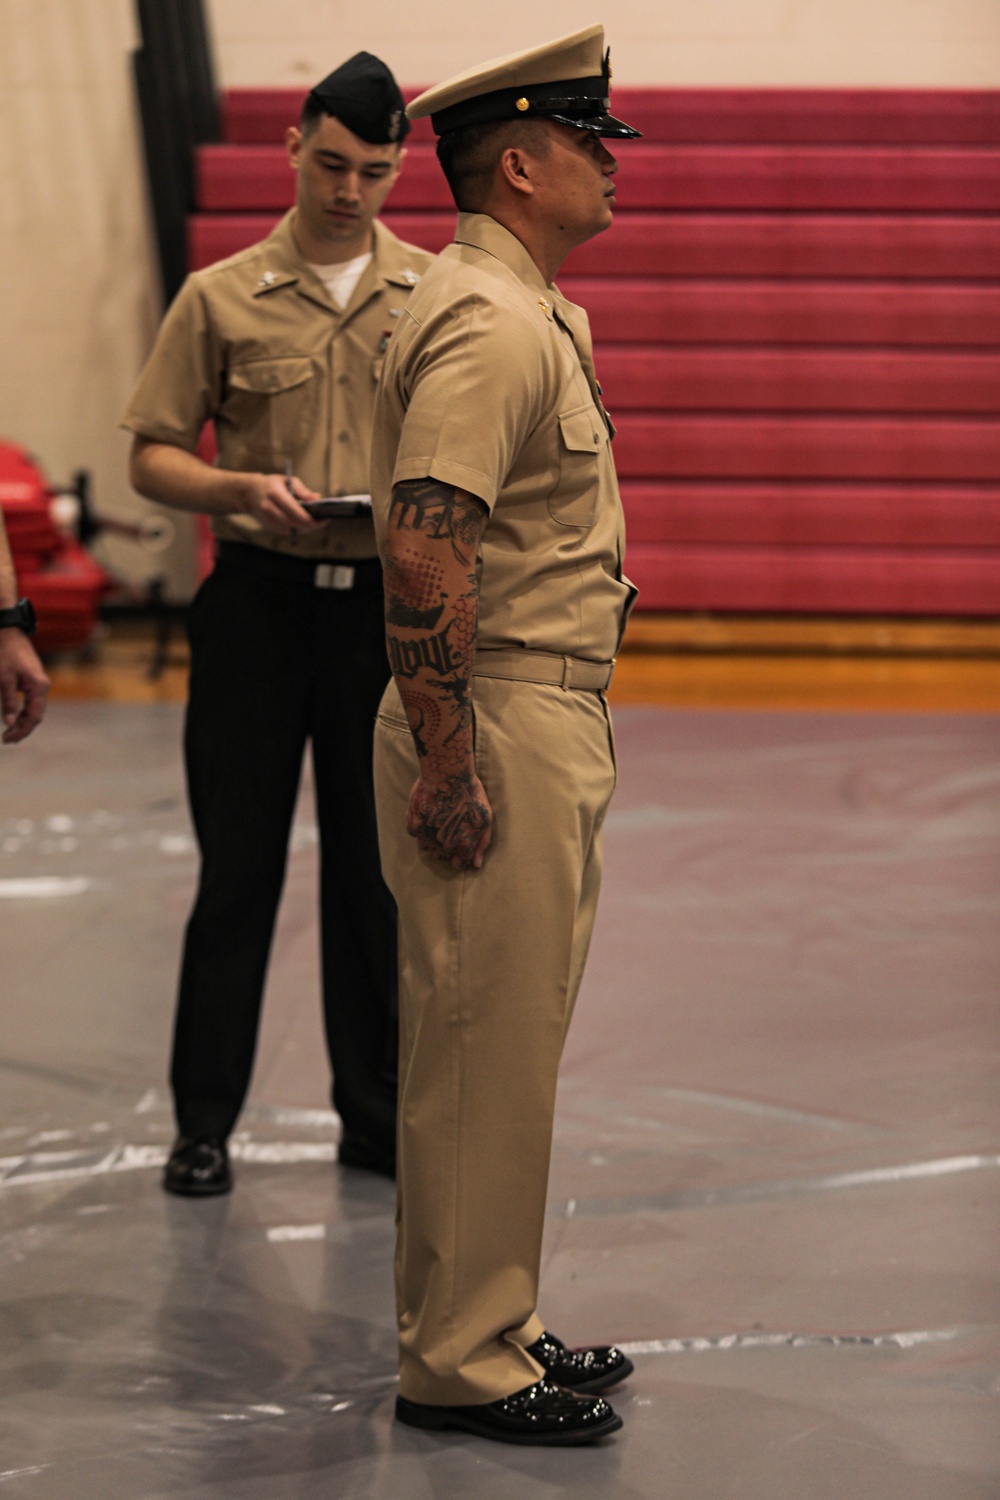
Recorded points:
796,320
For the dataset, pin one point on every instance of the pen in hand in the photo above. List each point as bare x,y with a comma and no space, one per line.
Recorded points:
305,522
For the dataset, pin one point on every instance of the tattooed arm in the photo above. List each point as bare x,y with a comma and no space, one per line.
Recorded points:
431,613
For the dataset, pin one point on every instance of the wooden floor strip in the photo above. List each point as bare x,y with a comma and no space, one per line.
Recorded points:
686,662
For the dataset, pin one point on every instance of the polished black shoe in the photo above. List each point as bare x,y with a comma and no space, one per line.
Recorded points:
358,1151
583,1371
197,1168
541,1414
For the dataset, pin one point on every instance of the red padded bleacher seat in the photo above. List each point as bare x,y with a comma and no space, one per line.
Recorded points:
794,380
685,311
832,580
895,117
811,513
796,447
806,245
940,179
832,246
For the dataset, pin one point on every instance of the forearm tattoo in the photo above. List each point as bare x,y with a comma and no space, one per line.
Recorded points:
431,615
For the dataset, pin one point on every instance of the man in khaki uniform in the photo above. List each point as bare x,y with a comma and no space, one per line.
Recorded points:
501,529
280,347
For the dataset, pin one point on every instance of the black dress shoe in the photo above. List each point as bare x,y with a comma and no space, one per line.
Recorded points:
197,1168
584,1371
541,1414
359,1151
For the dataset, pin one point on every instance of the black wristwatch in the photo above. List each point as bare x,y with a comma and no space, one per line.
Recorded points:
22,616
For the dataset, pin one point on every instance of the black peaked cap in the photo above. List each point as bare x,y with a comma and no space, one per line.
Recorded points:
365,97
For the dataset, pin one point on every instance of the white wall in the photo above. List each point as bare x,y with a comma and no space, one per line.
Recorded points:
81,298
946,43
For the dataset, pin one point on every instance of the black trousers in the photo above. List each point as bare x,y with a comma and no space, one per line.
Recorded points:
276,661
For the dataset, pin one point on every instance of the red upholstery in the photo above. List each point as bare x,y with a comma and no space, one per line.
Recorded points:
61,579
26,504
804,116
66,594
831,246
831,580
796,321
795,447
799,380
812,513
937,179
788,312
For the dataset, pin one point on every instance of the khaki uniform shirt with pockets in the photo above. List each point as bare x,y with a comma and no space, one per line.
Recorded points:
256,345
489,386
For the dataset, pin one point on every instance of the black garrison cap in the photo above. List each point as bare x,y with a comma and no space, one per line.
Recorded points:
567,80
365,97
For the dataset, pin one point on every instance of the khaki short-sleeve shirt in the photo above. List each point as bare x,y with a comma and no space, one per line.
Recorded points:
489,385
256,345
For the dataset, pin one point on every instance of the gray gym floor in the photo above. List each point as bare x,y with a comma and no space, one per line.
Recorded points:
776,1160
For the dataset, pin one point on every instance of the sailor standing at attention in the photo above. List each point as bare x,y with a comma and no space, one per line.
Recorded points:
280,348
500,527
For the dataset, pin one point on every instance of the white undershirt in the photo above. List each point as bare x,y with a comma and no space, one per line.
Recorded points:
342,277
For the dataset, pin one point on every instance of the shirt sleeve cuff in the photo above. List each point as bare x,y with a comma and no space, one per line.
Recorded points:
445,472
157,432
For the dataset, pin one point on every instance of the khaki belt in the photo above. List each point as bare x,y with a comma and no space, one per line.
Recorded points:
545,666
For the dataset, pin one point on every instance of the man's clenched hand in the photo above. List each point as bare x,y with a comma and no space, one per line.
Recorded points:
452,819
24,686
274,502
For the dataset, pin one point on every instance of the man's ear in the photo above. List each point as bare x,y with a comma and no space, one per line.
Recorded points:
293,145
515,169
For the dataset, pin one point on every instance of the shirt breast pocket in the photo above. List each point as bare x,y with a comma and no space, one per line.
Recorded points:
271,405
582,440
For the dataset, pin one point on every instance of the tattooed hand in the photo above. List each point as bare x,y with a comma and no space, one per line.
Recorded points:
451,819
432,599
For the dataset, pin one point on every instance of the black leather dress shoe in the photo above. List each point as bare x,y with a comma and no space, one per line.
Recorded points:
359,1151
583,1371
542,1414
197,1168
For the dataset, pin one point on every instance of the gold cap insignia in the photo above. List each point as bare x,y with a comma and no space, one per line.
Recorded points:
395,120
522,104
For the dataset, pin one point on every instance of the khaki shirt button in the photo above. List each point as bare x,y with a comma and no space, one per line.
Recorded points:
343,437
596,438
343,379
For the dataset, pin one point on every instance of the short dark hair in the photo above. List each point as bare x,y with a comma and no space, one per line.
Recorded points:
312,113
469,156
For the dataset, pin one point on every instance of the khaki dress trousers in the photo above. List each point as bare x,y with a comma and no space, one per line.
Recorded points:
491,962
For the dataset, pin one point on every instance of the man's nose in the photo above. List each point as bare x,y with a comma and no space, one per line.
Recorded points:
350,186
609,165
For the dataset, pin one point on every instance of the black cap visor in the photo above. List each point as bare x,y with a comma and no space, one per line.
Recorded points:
601,124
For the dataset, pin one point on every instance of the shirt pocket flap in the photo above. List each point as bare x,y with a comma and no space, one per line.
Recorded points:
266,377
583,430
